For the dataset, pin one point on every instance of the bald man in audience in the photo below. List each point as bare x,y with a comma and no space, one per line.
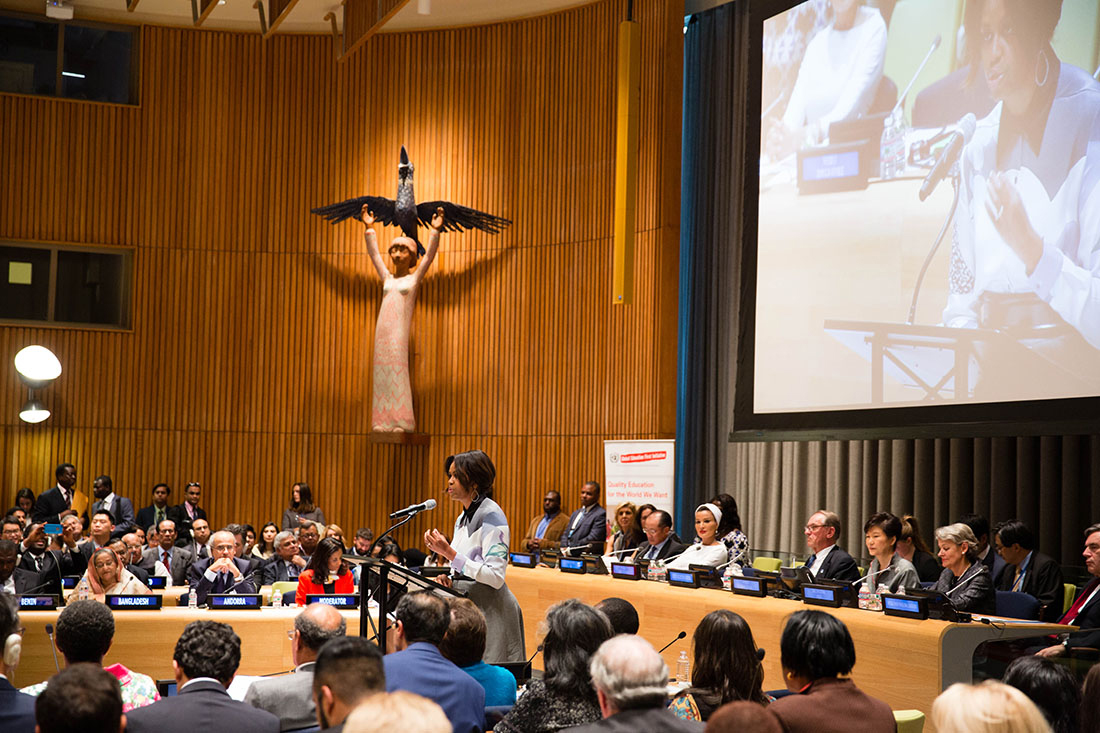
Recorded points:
348,670
290,697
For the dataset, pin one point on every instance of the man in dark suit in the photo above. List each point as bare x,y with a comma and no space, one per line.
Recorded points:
222,572
348,669
630,678
13,580
52,560
157,512
1085,611
211,651
288,562
828,561
176,560
56,502
187,512
419,667
289,697
988,557
587,528
16,709
659,544
100,531
121,508
1029,571
200,536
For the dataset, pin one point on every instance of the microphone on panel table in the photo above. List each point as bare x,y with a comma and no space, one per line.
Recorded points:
414,509
679,636
53,647
901,97
964,130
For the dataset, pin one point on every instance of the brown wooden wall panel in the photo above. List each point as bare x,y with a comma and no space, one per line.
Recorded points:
248,364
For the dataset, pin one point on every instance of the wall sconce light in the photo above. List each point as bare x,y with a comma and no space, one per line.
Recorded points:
37,367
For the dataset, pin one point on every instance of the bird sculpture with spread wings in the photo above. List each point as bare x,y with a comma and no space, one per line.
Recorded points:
407,214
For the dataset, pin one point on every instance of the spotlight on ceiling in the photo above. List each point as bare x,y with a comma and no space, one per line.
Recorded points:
37,366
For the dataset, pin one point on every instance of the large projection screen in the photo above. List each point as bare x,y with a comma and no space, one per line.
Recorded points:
872,119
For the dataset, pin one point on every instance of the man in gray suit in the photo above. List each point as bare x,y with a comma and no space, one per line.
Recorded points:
176,559
290,697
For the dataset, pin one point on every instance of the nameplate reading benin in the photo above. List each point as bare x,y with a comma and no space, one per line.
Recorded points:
234,601
38,603
137,603
339,600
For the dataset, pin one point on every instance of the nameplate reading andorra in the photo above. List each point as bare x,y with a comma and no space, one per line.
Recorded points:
339,600
523,559
135,603
626,571
233,601
38,603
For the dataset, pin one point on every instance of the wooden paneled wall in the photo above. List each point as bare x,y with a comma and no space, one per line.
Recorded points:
248,365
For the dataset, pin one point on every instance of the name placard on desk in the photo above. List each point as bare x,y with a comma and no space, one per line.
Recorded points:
157,582
339,600
523,559
132,602
39,602
683,578
904,606
572,565
235,601
69,582
830,596
626,571
745,586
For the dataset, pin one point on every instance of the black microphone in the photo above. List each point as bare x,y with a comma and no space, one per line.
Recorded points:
760,654
964,130
429,504
246,578
53,647
532,657
679,636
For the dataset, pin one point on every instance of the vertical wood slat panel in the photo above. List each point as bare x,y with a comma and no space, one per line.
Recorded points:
248,365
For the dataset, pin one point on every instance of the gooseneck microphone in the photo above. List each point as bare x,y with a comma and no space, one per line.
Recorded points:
414,509
532,657
679,636
964,130
53,647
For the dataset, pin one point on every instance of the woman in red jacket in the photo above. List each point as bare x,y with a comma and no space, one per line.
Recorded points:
326,573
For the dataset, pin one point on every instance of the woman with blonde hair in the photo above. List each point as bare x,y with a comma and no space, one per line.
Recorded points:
989,707
626,532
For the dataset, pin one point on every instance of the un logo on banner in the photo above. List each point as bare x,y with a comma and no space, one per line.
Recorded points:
614,457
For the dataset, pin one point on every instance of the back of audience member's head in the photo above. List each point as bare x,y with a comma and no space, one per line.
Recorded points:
989,707
81,697
743,716
574,631
349,668
84,631
630,673
727,663
208,649
424,617
1090,700
816,645
464,642
1050,686
400,710
621,613
317,624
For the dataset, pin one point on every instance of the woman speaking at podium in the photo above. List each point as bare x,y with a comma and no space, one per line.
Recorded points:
478,555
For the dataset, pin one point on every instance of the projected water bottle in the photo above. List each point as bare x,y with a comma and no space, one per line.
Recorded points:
892,147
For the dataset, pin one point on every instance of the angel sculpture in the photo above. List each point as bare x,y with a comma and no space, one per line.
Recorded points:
391,403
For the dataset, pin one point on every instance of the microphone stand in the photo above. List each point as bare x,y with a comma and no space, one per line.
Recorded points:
365,620
935,247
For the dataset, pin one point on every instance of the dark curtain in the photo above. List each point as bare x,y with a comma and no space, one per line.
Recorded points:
1052,483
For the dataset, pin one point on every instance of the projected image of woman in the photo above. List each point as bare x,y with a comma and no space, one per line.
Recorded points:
837,80
1027,238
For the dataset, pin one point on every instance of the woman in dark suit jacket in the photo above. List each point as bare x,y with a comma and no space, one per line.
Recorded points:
815,650
963,571
326,573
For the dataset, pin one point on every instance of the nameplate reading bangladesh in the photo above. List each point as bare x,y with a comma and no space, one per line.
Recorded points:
38,603
340,600
139,603
234,601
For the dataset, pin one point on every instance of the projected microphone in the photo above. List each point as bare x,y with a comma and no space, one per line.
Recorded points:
964,130
414,509
53,647
901,98
679,636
